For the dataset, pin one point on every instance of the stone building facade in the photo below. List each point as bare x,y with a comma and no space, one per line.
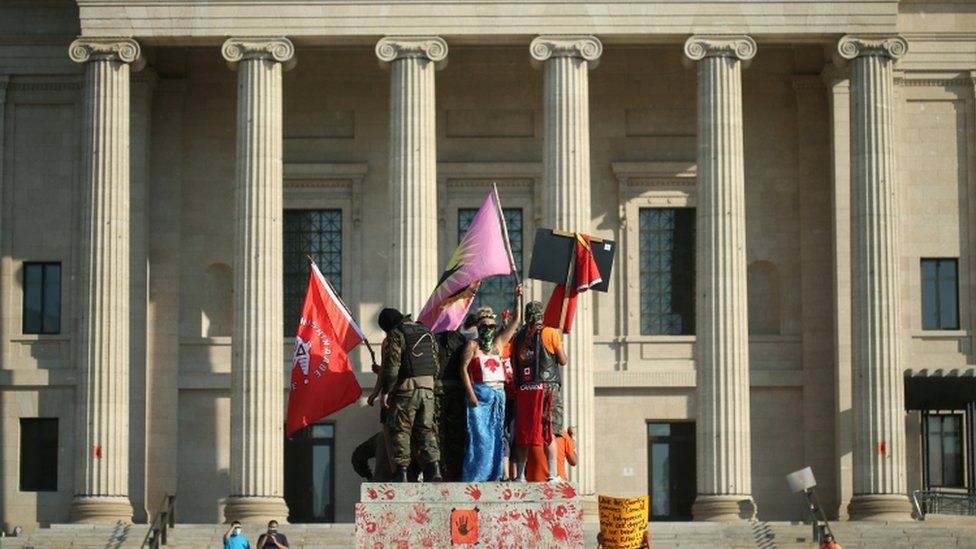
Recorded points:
792,185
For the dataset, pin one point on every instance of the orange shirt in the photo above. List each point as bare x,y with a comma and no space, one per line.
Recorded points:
536,466
551,338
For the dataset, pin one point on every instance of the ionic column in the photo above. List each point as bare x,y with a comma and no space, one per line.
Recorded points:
102,396
878,395
257,406
412,62
565,61
724,456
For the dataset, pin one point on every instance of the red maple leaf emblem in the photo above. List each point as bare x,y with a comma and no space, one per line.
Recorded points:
492,364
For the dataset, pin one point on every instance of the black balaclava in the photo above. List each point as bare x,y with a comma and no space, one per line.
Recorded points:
389,318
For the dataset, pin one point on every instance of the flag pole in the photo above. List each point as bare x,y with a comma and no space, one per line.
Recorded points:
508,243
369,347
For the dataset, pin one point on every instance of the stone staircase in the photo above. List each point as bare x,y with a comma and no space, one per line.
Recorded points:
931,534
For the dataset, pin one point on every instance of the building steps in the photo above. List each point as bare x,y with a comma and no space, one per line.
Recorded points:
931,534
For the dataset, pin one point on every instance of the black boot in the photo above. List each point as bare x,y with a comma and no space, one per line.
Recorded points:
400,475
432,473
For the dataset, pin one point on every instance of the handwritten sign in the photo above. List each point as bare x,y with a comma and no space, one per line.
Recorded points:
623,521
464,526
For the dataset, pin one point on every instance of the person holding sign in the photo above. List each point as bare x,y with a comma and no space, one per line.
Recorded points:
539,358
623,523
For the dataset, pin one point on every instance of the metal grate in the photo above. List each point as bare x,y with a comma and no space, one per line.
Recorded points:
945,502
667,271
317,233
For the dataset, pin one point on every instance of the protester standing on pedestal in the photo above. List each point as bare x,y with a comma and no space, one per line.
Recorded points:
539,358
483,376
410,365
449,394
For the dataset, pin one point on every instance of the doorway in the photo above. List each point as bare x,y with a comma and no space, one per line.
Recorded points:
310,474
671,469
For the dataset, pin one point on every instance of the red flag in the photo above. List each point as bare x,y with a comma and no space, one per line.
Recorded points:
322,382
585,276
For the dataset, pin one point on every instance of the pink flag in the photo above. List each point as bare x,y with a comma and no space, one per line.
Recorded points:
482,253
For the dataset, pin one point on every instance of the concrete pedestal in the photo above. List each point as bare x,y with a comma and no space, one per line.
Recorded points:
532,514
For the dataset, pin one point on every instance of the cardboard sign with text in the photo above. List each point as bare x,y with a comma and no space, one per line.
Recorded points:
623,521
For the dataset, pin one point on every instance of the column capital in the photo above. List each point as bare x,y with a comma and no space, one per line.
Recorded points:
275,48
392,48
700,46
586,47
122,50
853,46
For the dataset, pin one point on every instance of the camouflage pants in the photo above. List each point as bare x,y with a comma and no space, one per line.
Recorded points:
452,427
411,416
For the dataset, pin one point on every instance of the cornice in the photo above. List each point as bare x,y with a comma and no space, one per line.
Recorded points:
700,46
393,48
586,47
121,50
853,46
278,49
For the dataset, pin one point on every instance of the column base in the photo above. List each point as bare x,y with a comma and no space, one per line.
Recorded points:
723,508
100,509
255,509
882,507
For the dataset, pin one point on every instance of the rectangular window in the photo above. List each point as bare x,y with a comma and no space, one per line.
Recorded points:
667,271
316,233
310,474
944,449
671,469
940,295
42,298
38,454
497,292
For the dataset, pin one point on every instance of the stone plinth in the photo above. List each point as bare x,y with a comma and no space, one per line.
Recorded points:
532,514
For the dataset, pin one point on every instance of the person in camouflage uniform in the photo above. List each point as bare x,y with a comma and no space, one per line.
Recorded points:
410,366
449,398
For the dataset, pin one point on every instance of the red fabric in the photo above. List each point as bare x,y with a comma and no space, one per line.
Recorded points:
586,275
529,403
322,382
482,368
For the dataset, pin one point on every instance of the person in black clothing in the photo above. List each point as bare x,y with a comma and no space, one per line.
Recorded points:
449,405
272,539
374,448
411,362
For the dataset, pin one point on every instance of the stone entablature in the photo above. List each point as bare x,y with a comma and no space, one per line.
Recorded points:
330,22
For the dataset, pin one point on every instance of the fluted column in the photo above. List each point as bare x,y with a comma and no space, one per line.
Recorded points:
724,454
257,407
412,62
102,396
878,392
565,61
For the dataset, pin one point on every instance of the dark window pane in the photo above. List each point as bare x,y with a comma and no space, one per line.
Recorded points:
658,429
496,292
42,298
38,454
52,298
667,271
33,297
945,457
940,294
948,301
316,233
